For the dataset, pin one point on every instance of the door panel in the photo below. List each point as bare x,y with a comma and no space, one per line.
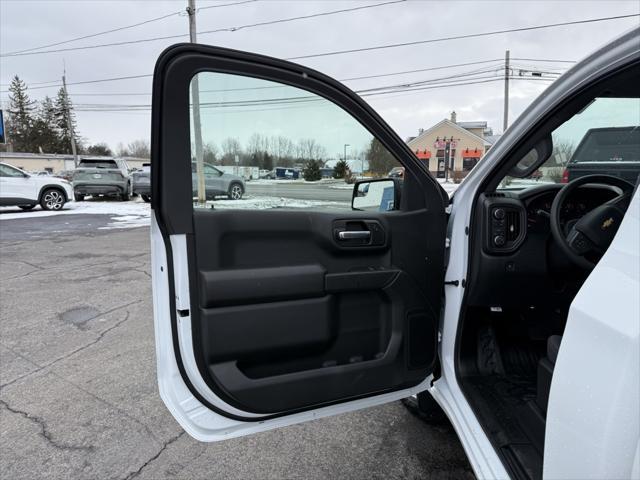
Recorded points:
289,317
291,309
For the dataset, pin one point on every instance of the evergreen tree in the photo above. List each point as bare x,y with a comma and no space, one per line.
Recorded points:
100,149
62,106
20,116
45,133
341,169
311,171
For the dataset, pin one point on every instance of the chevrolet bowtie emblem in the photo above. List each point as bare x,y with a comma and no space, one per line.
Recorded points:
607,223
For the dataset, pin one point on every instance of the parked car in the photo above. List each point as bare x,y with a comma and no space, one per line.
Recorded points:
19,188
101,176
105,162
142,182
396,172
514,310
612,151
262,174
218,183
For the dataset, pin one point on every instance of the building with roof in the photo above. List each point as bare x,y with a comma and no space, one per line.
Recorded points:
451,148
55,162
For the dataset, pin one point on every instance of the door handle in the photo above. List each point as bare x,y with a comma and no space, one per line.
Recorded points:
354,234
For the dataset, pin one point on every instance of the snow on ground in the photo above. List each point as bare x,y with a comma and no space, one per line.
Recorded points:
134,213
251,202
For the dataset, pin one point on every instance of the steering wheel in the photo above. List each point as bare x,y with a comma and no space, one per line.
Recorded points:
593,233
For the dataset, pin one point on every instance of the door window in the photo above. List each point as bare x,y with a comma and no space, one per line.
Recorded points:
7,171
283,146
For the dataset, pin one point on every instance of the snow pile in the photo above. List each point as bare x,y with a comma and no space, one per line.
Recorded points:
250,202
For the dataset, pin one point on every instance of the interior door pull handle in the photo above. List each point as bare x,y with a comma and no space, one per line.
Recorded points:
354,234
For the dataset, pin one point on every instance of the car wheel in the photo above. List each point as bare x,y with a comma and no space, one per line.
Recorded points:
26,207
235,191
146,198
78,197
52,199
125,196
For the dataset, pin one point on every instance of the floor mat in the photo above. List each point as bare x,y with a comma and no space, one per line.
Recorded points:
502,403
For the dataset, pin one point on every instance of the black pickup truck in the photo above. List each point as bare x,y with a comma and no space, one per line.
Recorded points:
606,151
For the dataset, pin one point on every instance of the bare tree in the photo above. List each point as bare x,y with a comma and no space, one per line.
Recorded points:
121,150
230,148
210,152
310,149
139,149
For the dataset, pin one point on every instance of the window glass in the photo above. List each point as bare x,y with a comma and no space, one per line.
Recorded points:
603,138
265,145
7,171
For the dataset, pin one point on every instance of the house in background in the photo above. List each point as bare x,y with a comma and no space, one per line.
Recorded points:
451,148
55,162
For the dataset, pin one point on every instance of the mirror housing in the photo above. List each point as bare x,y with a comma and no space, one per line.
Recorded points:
532,160
376,195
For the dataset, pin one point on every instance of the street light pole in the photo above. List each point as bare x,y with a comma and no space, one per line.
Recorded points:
195,98
345,152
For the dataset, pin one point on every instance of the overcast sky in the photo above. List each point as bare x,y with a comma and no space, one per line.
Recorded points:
26,23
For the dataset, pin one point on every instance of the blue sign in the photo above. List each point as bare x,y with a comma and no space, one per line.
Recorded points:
387,204
1,128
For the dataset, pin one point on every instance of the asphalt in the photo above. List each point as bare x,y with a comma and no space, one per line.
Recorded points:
54,227
78,394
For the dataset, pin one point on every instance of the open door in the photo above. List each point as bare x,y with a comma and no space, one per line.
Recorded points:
296,301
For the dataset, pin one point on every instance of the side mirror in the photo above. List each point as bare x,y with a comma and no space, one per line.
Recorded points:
381,195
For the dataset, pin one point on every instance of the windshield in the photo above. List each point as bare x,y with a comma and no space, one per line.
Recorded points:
602,138
98,164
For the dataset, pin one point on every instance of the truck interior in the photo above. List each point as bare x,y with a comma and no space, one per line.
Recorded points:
508,337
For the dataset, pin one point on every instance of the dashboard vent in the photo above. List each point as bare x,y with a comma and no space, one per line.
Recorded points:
495,195
513,225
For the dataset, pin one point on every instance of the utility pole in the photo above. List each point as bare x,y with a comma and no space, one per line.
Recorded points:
195,100
72,134
507,72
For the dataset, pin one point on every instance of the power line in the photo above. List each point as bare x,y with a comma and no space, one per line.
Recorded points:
218,30
303,99
113,79
459,37
543,60
380,75
75,39
225,5
118,29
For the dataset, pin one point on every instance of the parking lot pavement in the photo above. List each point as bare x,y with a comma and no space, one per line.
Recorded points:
78,396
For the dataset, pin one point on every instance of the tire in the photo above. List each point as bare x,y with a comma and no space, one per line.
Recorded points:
78,197
26,207
125,197
146,198
235,191
52,199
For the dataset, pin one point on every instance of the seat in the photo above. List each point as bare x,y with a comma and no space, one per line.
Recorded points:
545,371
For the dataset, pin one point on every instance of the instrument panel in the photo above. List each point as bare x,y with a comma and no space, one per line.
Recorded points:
581,202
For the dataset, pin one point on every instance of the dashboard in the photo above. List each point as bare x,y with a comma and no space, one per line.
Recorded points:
517,250
538,204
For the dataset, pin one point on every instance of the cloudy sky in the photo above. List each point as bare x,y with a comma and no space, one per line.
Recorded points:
25,24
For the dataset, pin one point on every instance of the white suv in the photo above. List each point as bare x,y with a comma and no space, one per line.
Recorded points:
18,188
